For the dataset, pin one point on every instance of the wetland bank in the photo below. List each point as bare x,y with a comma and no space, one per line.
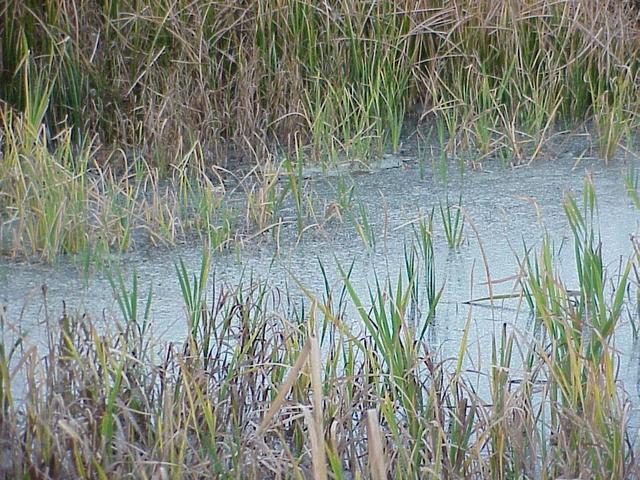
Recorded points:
319,240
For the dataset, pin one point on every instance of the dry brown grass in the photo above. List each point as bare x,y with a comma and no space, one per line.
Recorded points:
154,77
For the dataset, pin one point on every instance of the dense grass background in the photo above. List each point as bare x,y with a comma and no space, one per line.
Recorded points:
334,75
171,90
177,89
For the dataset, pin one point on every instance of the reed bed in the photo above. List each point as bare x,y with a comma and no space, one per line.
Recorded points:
121,121
331,75
269,383
100,93
55,200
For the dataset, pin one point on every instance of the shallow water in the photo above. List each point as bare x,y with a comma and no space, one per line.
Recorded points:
507,207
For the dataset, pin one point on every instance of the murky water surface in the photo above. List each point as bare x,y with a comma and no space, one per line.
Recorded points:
507,206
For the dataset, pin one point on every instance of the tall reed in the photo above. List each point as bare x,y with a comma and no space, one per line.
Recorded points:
339,76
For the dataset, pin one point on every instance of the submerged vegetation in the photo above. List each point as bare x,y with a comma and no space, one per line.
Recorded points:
107,101
336,384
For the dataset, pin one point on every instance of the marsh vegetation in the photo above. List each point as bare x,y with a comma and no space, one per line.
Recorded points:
134,125
125,122
289,383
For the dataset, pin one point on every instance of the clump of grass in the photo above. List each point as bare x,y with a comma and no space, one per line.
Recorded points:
611,114
424,239
452,222
193,291
57,200
264,199
364,228
45,200
343,202
580,326
295,188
